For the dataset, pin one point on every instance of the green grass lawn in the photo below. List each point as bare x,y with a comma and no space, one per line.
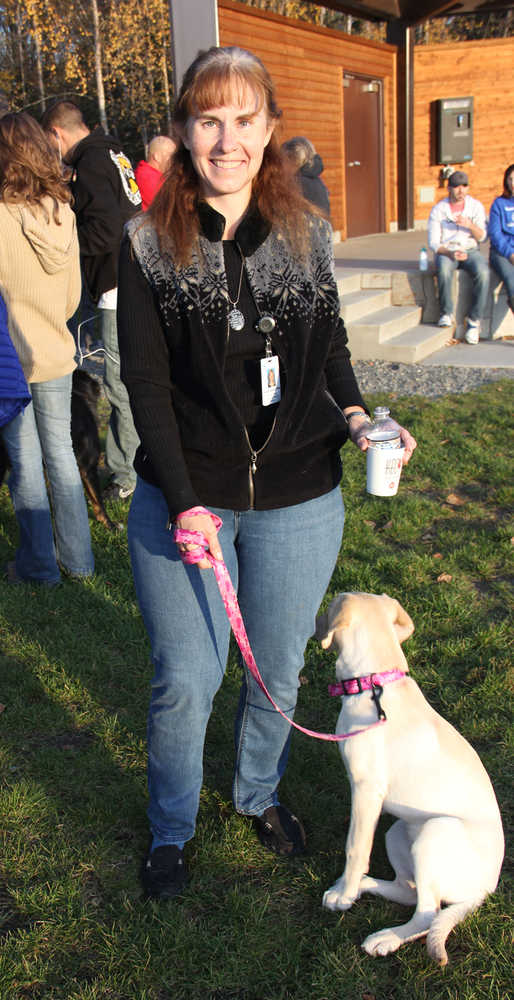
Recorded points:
74,669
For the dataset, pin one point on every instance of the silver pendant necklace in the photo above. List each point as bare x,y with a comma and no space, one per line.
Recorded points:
236,320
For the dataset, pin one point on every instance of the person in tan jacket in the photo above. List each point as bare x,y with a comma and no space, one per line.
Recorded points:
40,283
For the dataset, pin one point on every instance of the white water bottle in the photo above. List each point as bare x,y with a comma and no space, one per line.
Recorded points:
383,432
384,454
423,259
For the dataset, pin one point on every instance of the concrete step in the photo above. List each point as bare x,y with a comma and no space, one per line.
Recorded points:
377,329
380,326
408,347
354,305
347,280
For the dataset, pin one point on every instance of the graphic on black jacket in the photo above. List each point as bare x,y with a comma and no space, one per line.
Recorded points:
127,176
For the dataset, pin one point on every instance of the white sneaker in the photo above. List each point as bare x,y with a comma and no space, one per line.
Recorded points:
445,320
472,334
115,492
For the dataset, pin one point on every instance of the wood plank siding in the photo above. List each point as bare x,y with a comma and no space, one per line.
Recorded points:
307,64
484,71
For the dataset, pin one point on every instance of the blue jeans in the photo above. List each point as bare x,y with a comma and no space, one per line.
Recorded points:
84,322
280,562
122,439
477,267
42,433
505,270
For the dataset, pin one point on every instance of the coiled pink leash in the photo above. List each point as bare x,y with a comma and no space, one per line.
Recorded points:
229,597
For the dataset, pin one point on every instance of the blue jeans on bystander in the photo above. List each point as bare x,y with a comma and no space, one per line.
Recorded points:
280,562
477,267
122,439
505,270
42,433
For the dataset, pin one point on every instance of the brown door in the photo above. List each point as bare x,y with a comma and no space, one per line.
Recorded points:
362,109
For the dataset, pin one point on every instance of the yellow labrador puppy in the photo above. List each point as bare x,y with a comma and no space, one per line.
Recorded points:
447,844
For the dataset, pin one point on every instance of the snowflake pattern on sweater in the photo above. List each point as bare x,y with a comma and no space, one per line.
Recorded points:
282,284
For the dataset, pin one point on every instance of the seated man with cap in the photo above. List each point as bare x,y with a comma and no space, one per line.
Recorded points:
456,226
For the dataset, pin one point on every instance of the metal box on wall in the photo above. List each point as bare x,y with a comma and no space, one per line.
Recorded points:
454,117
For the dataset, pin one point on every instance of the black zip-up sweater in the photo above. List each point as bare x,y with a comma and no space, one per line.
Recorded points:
173,336
105,196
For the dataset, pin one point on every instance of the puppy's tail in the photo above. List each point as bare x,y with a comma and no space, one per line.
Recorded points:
444,923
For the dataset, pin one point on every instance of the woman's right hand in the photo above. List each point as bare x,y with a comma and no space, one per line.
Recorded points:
204,524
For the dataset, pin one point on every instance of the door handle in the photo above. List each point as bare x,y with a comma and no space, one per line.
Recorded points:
355,163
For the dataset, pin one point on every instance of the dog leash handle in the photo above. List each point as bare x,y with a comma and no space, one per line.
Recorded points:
229,597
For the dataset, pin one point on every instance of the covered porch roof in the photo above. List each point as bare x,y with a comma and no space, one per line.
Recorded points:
413,11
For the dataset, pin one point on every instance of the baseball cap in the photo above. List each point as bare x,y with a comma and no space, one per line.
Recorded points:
458,177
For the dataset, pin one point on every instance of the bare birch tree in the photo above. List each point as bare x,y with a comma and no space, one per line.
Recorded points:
100,90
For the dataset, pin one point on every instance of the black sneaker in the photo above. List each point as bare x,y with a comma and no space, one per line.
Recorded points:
164,874
280,831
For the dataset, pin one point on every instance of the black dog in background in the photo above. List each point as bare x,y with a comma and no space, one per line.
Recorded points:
86,442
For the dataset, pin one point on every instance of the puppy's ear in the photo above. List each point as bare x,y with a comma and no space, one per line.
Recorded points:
402,622
323,634
326,643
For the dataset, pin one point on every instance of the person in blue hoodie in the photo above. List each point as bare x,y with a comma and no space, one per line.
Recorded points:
501,234
14,391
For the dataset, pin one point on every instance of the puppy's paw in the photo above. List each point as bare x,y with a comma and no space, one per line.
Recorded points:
437,951
335,899
382,943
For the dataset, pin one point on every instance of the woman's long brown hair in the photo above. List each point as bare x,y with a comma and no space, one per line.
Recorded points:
29,164
219,76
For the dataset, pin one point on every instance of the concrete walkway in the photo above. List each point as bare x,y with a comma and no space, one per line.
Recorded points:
400,252
387,251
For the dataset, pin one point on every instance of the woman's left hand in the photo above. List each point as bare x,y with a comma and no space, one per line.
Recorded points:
359,429
205,525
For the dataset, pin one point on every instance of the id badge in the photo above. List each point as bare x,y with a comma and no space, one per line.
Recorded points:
270,380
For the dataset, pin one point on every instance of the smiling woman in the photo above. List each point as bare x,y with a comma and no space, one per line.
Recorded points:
239,377
229,93
226,146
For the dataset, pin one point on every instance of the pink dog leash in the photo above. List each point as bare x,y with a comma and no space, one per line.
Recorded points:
231,603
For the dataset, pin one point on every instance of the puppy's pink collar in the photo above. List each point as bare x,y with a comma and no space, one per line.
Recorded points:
356,685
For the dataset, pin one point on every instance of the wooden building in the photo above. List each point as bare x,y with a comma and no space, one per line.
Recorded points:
339,91
484,71
369,107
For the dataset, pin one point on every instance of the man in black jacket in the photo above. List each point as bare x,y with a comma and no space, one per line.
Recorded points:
105,196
